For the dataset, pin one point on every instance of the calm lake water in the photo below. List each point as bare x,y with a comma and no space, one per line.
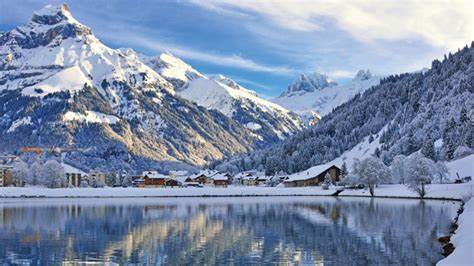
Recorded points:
302,230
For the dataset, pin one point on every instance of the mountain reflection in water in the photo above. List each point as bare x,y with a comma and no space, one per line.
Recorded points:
306,230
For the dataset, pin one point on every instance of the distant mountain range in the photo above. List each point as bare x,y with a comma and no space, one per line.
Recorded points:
316,95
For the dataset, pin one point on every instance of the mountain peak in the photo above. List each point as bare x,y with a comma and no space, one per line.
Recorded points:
172,68
309,83
51,24
363,75
51,14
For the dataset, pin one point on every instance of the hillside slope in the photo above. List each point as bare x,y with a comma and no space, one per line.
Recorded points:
408,111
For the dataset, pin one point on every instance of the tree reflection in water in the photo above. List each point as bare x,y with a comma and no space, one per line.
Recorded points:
348,231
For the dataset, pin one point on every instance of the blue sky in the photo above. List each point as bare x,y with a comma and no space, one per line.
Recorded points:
265,44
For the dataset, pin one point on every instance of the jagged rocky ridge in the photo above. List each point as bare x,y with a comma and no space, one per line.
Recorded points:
408,111
61,87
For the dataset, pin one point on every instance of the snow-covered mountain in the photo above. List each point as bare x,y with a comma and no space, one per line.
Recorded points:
315,94
60,86
269,121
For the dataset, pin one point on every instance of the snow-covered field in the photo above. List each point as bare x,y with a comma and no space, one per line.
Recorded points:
450,191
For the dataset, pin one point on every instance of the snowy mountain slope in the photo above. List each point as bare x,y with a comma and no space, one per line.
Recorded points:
172,69
61,86
403,114
316,93
269,121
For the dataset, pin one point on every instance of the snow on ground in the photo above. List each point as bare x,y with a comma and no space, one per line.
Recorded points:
253,126
362,150
463,239
215,94
71,79
464,167
91,117
452,191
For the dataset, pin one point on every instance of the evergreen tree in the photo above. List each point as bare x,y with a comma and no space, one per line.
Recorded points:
428,149
449,148
344,170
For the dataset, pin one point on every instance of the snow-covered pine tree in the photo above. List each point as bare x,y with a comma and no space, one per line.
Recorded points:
428,149
344,170
327,181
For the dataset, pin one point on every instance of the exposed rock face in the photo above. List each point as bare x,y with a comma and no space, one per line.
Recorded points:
308,83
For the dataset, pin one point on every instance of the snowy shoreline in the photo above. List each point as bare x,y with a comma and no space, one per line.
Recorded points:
435,192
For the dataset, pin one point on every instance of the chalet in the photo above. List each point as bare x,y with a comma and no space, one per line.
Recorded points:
204,177
221,180
262,180
138,181
99,177
313,176
247,178
154,179
74,176
6,175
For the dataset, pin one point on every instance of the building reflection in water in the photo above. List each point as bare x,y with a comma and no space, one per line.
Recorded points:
224,231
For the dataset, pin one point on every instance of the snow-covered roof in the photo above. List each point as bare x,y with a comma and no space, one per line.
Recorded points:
154,175
72,170
220,176
309,173
248,174
263,177
207,173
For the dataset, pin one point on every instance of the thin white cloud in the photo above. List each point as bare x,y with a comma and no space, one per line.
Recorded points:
232,61
442,23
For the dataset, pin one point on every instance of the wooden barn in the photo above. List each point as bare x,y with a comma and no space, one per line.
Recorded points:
221,180
154,179
313,176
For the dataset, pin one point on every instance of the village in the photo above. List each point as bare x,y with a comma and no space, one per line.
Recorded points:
52,174
73,177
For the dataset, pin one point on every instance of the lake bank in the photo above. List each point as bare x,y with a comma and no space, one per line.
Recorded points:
435,191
